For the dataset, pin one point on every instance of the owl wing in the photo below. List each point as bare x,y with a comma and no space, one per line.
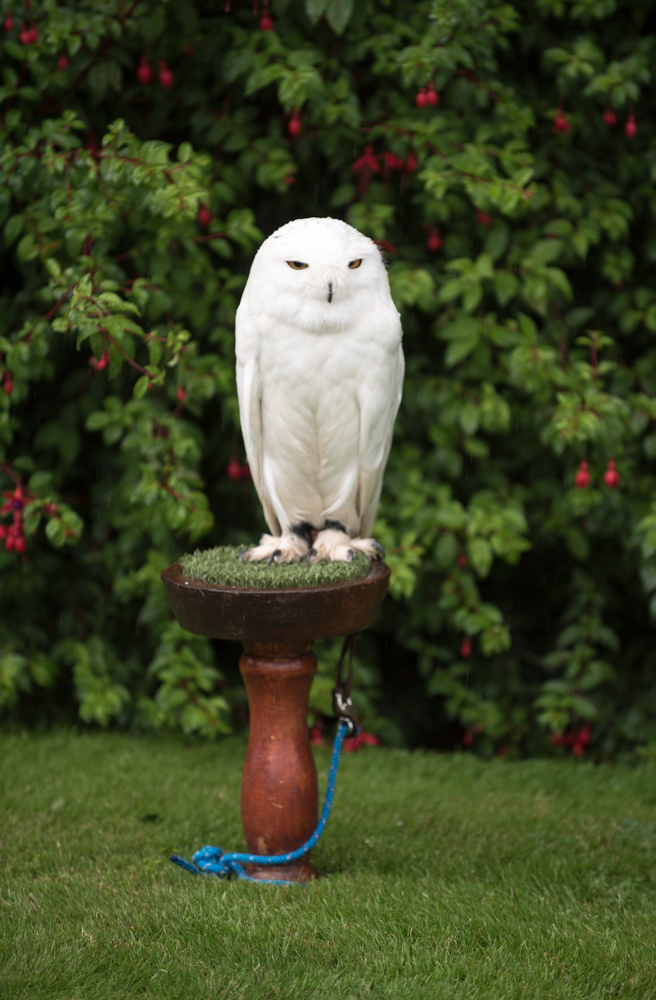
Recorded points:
379,397
249,393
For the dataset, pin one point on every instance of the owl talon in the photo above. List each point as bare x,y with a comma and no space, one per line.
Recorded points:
338,546
278,549
309,558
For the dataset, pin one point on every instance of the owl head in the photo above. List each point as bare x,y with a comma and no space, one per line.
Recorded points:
317,275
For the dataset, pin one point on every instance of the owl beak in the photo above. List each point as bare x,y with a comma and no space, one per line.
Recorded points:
330,291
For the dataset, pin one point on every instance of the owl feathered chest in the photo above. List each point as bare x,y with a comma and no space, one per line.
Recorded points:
310,365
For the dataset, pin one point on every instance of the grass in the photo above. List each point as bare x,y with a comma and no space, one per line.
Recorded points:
221,565
448,878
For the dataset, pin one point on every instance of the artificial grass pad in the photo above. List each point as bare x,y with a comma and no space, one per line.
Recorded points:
221,565
448,879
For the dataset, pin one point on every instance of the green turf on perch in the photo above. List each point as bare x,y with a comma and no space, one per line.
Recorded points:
222,566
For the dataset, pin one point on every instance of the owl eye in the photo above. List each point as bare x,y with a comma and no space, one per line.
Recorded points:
298,265
355,263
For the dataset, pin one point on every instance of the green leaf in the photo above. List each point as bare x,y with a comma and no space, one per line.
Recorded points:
13,228
464,335
446,550
315,8
28,248
338,13
506,286
469,417
141,386
480,555
56,532
496,240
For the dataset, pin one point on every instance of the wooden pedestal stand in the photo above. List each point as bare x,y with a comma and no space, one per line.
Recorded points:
279,799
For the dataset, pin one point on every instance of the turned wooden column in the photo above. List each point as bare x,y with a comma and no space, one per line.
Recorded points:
279,796
279,799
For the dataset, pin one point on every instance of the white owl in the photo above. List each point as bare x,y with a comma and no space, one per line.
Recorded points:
319,379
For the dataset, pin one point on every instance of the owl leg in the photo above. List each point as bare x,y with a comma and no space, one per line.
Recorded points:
286,548
338,546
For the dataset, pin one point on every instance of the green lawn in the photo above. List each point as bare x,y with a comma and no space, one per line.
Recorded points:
447,878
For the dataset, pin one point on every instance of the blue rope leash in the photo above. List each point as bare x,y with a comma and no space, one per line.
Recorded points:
212,860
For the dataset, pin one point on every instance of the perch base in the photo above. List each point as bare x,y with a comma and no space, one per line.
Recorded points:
279,796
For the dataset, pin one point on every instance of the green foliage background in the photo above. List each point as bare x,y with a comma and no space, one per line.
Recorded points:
529,338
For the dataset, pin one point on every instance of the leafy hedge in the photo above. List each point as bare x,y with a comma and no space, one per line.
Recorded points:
504,157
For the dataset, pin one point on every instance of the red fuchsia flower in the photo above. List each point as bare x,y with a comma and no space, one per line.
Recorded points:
13,534
365,166
610,118
561,125
144,73
631,129
180,395
29,36
411,162
9,22
361,740
15,501
266,22
99,363
234,470
392,162
483,218
386,246
62,62
8,385
581,740
432,97
582,477
204,216
165,75
468,739
611,476
434,241
466,648
294,125
366,162
316,737
578,740
462,560
562,740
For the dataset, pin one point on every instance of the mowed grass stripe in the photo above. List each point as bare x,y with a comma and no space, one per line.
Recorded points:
447,878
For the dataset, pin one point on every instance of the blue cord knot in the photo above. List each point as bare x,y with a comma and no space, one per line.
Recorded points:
213,861
209,857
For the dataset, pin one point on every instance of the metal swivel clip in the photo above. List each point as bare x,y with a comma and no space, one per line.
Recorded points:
342,704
